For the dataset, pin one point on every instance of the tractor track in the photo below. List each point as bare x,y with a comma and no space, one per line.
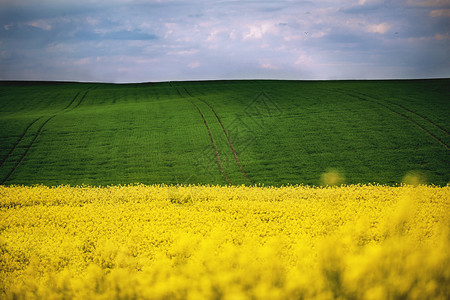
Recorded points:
68,105
66,109
213,143
420,116
27,149
176,89
17,142
216,152
79,102
408,110
230,143
187,92
360,96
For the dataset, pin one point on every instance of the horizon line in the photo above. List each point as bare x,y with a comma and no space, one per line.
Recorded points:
212,80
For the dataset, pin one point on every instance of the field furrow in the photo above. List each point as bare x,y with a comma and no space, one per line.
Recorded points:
229,141
205,122
410,111
79,102
68,105
403,115
18,142
368,131
225,142
213,143
421,116
28,147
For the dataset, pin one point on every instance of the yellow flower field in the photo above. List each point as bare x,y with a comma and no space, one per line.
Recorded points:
229,242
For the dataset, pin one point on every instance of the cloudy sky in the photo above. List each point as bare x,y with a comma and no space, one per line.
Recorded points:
139,40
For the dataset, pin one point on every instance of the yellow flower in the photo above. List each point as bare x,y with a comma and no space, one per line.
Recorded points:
230,242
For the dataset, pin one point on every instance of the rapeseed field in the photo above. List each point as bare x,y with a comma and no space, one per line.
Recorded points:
225,242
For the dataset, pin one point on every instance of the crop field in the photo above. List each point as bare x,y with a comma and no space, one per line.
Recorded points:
222,132
250,189
225,242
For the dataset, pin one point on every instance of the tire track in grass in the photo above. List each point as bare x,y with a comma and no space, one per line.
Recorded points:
25,132
411,120
216,152
230,143
418,125
213,143
79,102
68,105
66,109
187,92
410,111
400,114
27,149
171,85
17,142
420,116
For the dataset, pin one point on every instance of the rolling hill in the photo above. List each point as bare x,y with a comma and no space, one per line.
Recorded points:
224,132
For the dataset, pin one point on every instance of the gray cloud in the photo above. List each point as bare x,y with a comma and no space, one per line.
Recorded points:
131,40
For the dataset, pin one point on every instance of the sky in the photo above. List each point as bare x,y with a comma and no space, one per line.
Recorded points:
141,41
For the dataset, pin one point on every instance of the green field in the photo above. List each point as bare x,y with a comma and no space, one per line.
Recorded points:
219,132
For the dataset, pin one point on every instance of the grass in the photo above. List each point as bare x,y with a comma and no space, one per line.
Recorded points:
283,132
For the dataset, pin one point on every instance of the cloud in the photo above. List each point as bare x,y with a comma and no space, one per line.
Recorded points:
194,64
370,2
134,40
82,61
430,3
441,37
304,60
182,52
128,35
257,31
440,13
92,21
381,28
42,24
269,66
